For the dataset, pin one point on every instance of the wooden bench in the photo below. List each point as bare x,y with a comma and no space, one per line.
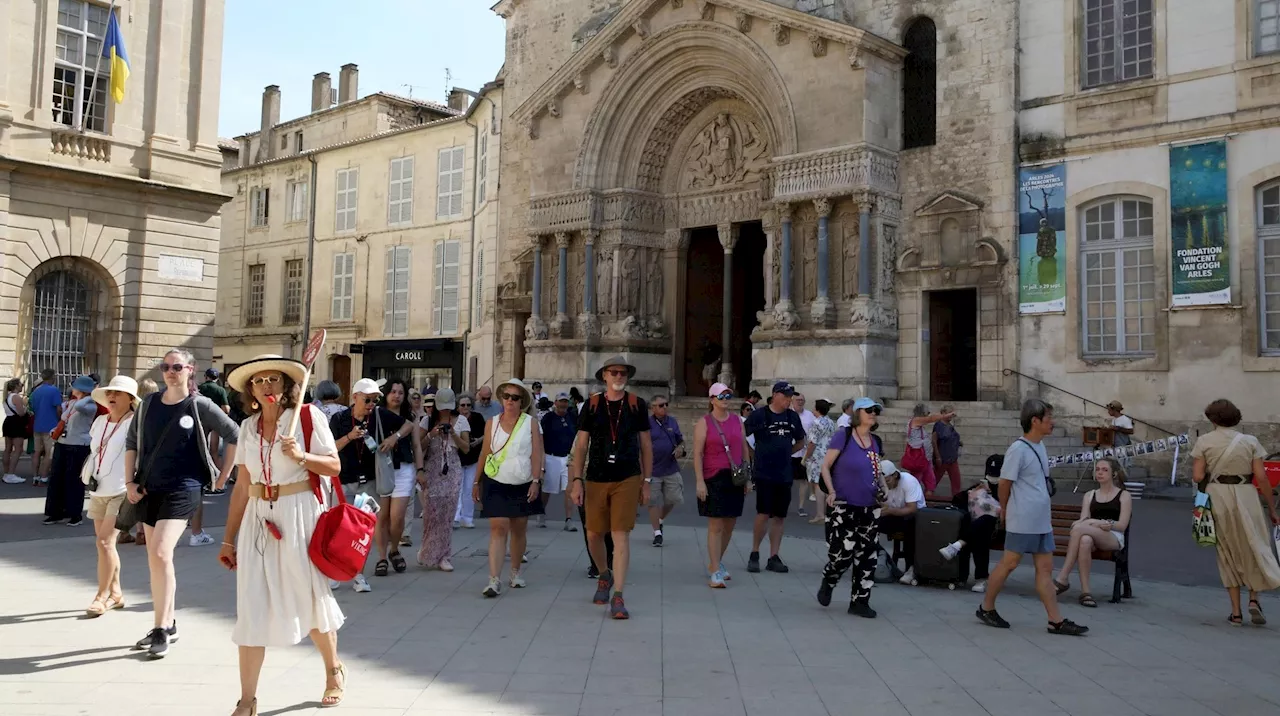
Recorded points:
1063,517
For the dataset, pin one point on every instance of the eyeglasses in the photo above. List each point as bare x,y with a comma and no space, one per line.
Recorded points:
727,395
265,379
464,405
367,401
516,397
618,372
171,367
659,405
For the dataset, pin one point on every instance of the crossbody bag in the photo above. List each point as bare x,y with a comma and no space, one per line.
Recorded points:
1049,484
740,473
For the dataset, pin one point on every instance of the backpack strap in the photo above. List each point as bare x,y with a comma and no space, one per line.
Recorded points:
307,428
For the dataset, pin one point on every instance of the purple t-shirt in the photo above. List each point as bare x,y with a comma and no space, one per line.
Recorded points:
852,474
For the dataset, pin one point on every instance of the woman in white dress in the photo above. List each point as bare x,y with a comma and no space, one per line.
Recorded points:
280,595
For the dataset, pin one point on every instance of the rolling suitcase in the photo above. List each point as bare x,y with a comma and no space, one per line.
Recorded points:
936,528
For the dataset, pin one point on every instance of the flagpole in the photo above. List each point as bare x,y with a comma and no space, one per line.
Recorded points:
97,66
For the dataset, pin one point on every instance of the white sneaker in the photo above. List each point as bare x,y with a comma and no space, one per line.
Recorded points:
468,525
517,582
909,578
494,588
524,559
812,498
11,479
950,551
456,524
201,539
360,584
333,584
979,587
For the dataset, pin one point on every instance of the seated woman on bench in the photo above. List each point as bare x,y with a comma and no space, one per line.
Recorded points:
1104,517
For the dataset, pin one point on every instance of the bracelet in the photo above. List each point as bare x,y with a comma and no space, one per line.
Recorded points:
228,544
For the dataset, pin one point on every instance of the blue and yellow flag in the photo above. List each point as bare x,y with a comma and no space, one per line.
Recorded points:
113,50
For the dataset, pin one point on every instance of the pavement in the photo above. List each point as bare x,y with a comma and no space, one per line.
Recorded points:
427,644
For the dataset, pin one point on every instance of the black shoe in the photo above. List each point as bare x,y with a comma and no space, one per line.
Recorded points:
159,646
753,562
76,522
775,565
824,595
991,619
145,641
593,573
50,521
215,492
1068,627
862,609
657,539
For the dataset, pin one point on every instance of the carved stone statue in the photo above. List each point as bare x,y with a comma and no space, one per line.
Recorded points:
629,283
604,281
726,152
653,284
867,313
810,265
888,252
849,243
576,282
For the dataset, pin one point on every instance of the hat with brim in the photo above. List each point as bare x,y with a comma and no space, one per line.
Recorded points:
239,378
446,399
119,384
617,360
526,397
84,384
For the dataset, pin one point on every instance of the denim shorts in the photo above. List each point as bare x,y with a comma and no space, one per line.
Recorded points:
1023,543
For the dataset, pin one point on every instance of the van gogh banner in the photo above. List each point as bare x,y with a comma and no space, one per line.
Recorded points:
1198,209
1042,238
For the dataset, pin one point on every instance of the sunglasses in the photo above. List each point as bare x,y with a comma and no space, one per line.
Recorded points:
616,372
464,405
516,397
367,401
727,395
171,367
659,405
873,411
265,379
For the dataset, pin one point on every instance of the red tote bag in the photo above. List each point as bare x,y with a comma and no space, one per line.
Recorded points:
344,534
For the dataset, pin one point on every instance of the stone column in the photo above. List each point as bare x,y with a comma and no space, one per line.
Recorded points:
675,256
535,328
560,323
864,245
820,310
588,324
728,238
784,313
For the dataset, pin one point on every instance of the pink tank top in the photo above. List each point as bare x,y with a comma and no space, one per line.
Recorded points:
713,457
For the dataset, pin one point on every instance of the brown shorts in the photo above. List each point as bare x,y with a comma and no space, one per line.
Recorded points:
611,506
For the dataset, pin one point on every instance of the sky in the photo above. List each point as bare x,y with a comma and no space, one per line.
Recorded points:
395,43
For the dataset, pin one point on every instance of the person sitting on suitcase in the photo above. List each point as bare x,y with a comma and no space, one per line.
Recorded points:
898,512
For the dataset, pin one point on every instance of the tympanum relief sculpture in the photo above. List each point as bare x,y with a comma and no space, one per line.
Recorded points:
727,151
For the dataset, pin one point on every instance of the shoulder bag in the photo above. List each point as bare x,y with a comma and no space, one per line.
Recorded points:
340,544
1202,525
383,467
740,473
1049,484
131,514
494,461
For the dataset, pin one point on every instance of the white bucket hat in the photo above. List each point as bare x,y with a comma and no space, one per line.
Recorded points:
239,378
119,384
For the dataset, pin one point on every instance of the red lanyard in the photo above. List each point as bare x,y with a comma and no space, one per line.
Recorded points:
264,454
614,423
102,444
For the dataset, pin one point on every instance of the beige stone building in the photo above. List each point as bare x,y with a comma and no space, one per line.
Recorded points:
109,213
828,192
395,231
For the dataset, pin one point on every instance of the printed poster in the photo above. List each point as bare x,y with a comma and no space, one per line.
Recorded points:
1042,239
1198,213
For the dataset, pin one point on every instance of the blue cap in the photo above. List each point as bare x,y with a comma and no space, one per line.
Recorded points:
785,388
84,384
866,403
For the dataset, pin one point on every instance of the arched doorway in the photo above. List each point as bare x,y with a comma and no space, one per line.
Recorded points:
704,313
68,321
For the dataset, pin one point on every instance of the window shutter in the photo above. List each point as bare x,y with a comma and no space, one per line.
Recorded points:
389,298
449,288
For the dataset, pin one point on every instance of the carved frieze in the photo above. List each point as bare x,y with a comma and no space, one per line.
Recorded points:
888,249
729,150
867,313
833,172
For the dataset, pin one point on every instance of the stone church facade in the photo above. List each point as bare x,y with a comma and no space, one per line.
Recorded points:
692,178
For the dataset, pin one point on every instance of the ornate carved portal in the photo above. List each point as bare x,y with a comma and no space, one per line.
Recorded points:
728,151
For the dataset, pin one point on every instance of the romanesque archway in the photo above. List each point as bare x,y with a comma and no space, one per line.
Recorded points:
69,320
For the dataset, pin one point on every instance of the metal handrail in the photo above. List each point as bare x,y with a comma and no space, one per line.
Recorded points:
1051,386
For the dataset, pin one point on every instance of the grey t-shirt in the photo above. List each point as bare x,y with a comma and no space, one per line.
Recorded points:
1030,506
77,428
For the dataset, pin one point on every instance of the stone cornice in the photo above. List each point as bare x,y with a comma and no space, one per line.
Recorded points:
633,19
832,172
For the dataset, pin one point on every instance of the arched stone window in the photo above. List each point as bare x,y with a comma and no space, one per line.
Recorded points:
1118,277
920,85
67,320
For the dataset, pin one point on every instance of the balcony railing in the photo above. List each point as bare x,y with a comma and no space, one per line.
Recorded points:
81,146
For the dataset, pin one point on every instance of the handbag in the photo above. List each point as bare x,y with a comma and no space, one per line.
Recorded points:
340,544
914,459
740,473
1202,526
131,514
494,461
383,467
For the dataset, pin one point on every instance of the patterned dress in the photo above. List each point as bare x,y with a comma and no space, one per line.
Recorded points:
444,479
820,435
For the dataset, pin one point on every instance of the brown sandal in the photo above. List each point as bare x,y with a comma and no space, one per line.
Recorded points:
1059,587
335,693
1086,600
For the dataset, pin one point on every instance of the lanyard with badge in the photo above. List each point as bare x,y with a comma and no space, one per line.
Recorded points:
264,456
614,424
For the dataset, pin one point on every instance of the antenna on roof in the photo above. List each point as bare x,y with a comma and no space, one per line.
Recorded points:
410,88
448,81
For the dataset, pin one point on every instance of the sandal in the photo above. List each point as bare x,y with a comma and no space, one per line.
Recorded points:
1255,613
114,601
380,569
124,538
397,562
333,697
253,707
96,608
1235,620
1086,600
1059,587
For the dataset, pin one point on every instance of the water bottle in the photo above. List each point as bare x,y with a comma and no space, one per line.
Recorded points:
366,503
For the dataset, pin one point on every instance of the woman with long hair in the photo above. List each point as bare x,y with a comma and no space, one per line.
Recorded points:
280,595
439,471
166,465
105,480
511,464
1104,516
719,445
391,516
855,489
14,430
819,437
1227,464
65,498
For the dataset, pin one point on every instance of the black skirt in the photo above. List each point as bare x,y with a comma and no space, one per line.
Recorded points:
15,426
724,499
498,499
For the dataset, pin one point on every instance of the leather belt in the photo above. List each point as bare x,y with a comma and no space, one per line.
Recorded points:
275,492
1233,479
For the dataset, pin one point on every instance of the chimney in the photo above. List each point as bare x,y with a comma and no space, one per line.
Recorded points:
270,118
347,79
320,91
459,100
